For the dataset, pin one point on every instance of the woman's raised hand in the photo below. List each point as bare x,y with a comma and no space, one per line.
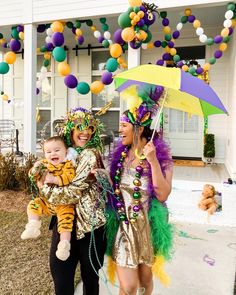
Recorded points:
149,152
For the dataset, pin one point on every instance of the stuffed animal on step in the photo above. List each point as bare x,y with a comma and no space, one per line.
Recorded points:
207,201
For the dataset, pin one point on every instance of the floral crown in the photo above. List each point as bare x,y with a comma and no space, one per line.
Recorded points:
82,119
142,103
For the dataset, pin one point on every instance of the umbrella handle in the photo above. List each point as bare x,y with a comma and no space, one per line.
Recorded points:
159,115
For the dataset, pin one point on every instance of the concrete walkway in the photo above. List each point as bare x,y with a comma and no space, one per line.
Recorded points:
203,262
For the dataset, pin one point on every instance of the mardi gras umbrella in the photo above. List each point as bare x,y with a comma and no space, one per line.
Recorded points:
182,91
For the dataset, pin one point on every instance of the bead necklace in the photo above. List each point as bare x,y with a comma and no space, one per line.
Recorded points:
136,204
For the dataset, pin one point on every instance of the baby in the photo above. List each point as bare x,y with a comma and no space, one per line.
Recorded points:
59,163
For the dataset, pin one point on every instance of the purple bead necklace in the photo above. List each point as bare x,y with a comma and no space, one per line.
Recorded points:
120,204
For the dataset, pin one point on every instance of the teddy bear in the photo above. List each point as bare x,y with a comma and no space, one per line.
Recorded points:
207,201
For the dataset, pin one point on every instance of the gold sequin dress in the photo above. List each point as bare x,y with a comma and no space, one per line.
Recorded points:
133,244
83,192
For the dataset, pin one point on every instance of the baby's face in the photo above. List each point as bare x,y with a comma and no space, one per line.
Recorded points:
55,152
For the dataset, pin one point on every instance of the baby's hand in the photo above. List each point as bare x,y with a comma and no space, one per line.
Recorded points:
50,179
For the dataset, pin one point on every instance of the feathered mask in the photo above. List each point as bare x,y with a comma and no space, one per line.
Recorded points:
142,102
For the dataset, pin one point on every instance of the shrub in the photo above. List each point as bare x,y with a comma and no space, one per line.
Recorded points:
14,172
209,146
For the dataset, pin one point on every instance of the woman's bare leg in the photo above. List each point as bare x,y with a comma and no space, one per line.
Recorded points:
145,278
128,279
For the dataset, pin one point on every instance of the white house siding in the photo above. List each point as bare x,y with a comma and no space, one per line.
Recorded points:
231,119
12,12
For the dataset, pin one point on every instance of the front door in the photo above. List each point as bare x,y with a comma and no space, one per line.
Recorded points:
184,133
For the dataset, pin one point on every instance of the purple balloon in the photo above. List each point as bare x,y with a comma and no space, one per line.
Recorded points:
191,18
4,45
41,28
218,54
70,81
135,45
49,46
230,30
199,71
160,62
81,40
180,64
100,39
176,34
73,30
166,56
57,39
157,43
165,22
15,45
37,91
117,37
218,39
149,19
142,8
171,44
141,23
107,78
20,28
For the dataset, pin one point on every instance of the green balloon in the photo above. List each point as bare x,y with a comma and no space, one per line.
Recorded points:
48,26
59,54
231,6
103,20
163,44
105,27
168,37
46,62
210,41
111,64
176,58
124,20
212,60
163,14
82,88
69,25
4,67
192,70
105,43
89,22
136,9
145,28
130,9
43,49
125,46
226,39
15,33
149,37
77,24
184,19
1,35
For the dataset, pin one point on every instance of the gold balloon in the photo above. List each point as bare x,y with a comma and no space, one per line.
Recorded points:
185,68
78,32
10,57
21,35
134,3
5,97
57,27
63,68
223,46
196,24
167,30
173,51
225,32
187,11
150,45
128,34
96,87
115,50
206,67
47,55
93,28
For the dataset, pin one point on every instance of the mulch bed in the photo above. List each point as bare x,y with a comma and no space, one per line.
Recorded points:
24,265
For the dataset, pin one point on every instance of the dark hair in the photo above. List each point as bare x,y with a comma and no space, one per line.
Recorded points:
55,138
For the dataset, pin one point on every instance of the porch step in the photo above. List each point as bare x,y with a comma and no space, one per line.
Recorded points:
189,163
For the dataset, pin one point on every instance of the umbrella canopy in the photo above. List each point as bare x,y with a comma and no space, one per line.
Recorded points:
184,91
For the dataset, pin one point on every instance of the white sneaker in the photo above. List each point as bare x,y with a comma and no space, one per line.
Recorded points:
32,230
63,250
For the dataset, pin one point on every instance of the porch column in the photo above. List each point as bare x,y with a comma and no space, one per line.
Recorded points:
133,61
30,44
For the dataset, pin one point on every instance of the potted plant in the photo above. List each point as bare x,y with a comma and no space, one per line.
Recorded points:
209,148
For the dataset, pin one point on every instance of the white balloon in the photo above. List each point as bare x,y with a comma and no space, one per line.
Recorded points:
97,34
199,31
43,70
42,76
229,14
227,23
144,46
49,32
179,26
203,38
48,39
107,35
110,41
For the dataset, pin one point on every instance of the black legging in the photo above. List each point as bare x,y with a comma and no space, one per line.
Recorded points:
63,272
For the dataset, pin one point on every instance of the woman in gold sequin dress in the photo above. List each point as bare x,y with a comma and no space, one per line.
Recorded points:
82,131
139,236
